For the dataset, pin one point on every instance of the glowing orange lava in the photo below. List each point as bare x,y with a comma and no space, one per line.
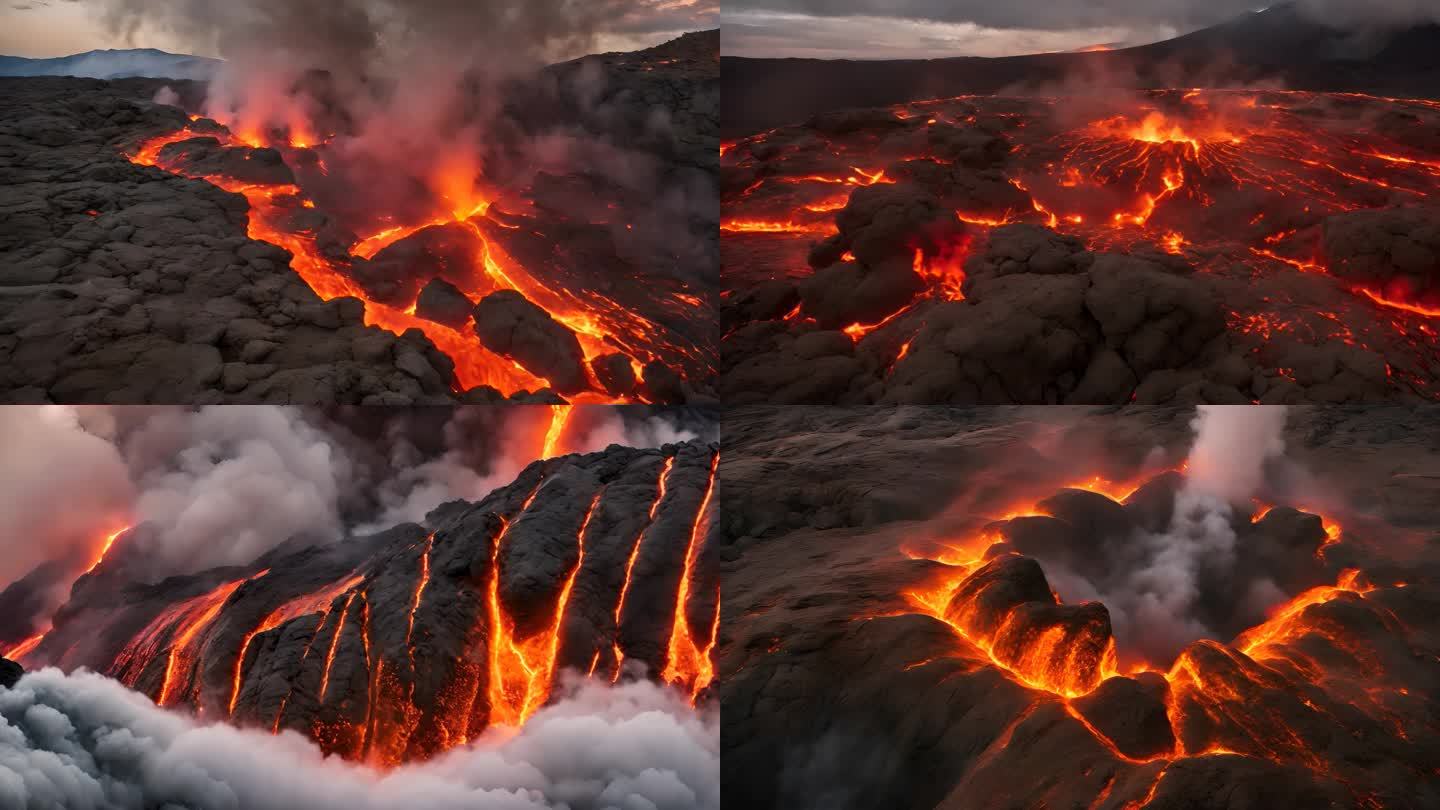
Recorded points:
635,555
687,664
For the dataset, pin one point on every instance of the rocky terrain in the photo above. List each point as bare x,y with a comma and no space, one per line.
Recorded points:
131,283
394,646
1171,248
844,688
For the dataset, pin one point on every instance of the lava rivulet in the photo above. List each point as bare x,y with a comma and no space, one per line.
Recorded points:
688,662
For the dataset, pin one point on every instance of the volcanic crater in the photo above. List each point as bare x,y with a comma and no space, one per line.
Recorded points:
1169,246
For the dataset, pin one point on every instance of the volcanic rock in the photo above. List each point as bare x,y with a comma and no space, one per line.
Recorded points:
10,673
126,283
854,292
1131,713
1026,249
205,155
396,274
1394,252
442,302
969,146
615,374
660,383
509,324
886,221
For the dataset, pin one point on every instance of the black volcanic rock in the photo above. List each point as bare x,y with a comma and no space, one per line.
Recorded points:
205,155
10,673
442,302
126,283
509,324
614,373
1131,713
1393,252
397,273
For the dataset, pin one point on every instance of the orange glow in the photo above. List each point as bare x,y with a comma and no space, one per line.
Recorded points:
769,226
635,555
687,665
334,643
181,623
1415,309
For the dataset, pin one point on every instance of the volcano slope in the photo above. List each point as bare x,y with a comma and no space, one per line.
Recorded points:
913,654
392,647
1172,247
154,255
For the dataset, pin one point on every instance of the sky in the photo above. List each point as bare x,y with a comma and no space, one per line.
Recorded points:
921,29
43,28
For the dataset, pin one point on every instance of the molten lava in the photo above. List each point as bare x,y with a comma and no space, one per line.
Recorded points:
1215,703
635,555
688,664
1231,181
601,324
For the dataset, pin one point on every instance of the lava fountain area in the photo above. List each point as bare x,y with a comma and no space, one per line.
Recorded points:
553,283
956,627
1182,246
399,645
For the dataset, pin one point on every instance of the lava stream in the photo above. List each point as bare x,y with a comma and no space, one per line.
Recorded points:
687,664
635,555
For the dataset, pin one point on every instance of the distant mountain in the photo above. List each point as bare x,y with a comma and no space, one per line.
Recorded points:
114,64
1278,46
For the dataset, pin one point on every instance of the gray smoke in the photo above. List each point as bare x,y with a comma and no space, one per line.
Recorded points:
1154,596
85,741
221,485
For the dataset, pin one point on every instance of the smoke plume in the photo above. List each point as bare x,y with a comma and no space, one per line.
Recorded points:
82,740
221,485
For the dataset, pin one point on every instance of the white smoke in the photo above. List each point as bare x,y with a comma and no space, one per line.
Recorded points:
45,451
1232,444
225,484
85,742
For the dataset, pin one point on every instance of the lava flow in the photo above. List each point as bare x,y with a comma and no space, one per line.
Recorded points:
466,215
688,664
1249,698
1285,203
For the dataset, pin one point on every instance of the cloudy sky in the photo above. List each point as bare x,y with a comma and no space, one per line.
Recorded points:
40,28
890,29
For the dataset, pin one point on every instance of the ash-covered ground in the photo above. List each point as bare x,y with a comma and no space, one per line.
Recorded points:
1064,607
224,266
1159,247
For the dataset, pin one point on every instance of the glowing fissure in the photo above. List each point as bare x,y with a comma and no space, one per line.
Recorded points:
687,664
334,643
635,555
293,609
179,625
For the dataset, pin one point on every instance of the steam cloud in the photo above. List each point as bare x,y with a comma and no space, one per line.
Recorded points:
83,740
1154,601
221,485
